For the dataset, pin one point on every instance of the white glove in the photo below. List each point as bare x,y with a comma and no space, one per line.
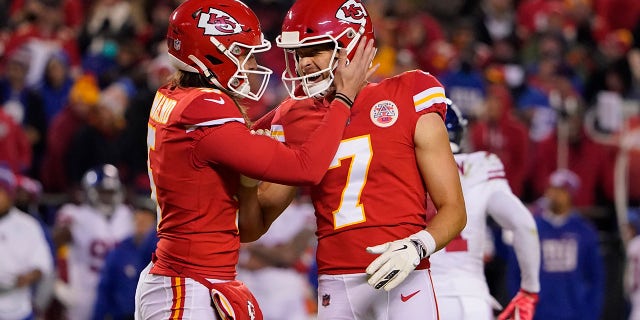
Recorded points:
398,259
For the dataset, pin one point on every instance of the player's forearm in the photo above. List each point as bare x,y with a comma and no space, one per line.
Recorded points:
447,224
250,216
509,212
260,206
274,199
527,248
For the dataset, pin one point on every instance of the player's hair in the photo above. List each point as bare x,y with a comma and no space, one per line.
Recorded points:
184,79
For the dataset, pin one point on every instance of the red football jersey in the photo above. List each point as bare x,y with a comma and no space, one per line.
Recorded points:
373,191
198,143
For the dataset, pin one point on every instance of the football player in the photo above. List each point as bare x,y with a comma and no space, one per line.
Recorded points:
91,230
373,240
199,145
458,269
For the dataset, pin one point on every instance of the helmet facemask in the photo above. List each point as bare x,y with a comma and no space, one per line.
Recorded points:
292,76
240,54
103,189
106,201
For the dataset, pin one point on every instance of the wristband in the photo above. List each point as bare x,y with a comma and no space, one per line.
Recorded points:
344,99
425,241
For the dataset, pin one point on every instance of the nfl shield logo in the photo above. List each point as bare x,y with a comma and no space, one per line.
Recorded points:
326,300
176,44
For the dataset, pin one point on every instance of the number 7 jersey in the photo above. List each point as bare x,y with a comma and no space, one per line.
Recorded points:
373,191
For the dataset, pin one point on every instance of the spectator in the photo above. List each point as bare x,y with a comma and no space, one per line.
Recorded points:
591,161
73,11
110,24
417,31
99,139
572,273
25,254
83,99
499,132
15,150
22,103
497,21
56,85
42,35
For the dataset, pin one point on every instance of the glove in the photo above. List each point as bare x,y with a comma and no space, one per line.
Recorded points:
398,258
521,307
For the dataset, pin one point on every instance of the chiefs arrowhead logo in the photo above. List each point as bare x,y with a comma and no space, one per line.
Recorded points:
353,12
218,23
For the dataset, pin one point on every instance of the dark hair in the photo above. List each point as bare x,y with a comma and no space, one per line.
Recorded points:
191,80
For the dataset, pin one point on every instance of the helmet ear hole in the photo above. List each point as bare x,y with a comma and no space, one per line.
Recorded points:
213,60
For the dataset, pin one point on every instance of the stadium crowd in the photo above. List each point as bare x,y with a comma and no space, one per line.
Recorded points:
545,84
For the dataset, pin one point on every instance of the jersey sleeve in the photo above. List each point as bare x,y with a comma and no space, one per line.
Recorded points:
428,93
210,107
511,214
263,158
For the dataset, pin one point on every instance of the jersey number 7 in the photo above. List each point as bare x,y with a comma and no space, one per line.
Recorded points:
350,210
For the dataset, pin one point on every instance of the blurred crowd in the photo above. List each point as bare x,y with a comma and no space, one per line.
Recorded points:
546,84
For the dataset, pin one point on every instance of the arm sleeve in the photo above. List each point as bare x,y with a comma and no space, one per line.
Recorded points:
509,212
263,158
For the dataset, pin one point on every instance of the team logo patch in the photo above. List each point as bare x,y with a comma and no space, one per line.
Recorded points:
352,11
218,23
384,113
326,300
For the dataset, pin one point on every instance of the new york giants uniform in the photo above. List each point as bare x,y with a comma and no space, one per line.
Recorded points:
458,269
94,235
373,191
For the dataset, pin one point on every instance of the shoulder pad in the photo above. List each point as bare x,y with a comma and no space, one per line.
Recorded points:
479,167
207,107
427,92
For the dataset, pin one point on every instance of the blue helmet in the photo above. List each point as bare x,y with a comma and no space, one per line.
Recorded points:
456,124
103,188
